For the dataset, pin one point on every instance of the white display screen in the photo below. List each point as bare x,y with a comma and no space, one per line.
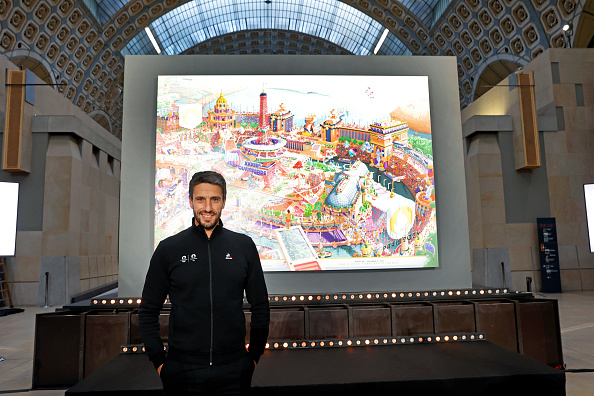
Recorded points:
589,194
9,202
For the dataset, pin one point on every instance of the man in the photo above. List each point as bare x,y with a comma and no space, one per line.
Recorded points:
205,270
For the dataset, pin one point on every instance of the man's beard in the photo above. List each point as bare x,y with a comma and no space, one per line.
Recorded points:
210,224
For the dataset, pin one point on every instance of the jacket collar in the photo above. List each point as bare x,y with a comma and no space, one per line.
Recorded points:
200,230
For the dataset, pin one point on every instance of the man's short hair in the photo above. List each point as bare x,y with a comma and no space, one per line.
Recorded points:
209,177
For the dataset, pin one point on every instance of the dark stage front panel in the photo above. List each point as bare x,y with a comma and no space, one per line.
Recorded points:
328,322
288,323
463,368
539,332
370,321
105,333
454,317
497,319
410,319
59,344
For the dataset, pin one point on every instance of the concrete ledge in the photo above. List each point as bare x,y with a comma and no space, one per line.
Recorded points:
487,123
503,123
98,136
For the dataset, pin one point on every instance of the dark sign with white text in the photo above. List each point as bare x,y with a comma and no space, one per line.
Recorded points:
549,255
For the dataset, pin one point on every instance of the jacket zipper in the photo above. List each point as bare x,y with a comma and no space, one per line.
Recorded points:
211,307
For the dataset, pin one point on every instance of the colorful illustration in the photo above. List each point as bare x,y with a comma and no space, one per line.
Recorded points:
323,172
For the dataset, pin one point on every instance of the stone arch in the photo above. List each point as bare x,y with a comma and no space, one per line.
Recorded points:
492,70
101,118
34,62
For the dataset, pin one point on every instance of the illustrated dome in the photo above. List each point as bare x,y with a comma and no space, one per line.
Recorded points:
221,101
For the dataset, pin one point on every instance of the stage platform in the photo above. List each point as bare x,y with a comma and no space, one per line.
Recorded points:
456,368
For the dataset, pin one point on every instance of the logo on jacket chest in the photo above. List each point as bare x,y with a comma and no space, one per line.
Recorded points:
190,257
194,257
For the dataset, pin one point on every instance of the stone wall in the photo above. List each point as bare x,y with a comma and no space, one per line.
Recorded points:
504,201
68,204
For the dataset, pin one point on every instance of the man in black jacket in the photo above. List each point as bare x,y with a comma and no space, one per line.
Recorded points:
205,270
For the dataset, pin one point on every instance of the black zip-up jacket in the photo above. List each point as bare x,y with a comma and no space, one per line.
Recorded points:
205,279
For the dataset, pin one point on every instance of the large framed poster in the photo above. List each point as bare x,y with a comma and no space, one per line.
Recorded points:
340,166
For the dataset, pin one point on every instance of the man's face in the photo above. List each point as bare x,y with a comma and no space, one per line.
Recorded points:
207,203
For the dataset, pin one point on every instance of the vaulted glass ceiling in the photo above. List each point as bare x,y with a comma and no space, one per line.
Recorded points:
332,20
424,10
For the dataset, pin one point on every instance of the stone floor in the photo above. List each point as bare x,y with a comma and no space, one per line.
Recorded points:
577,331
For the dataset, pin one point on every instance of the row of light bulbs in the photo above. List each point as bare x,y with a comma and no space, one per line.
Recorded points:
323,298
350,342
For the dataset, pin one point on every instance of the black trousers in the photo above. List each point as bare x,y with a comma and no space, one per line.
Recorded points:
233,378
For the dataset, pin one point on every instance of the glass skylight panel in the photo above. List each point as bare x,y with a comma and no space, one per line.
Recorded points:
439,9
108,8
195,22
422,9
